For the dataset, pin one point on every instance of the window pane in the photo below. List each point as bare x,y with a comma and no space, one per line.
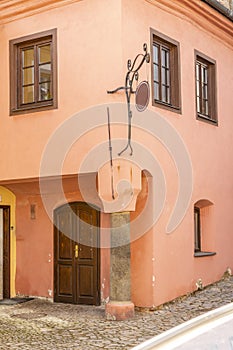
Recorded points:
156,73
198,105
197,230
168,77
205,91
197,71
45,92
163,58
44,54
168,95
45,73
198,88
164,76
156,91
206,108
167,59
28,94
28,57
28,76
164,94
155,53
205,75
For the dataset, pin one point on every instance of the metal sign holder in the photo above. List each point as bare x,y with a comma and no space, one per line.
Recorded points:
132,74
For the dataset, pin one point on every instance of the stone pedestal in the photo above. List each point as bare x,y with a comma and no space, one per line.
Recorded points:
120,306
119,310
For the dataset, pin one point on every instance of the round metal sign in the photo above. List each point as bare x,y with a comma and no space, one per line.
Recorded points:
142,96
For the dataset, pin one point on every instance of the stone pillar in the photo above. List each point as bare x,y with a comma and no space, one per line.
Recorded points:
120,306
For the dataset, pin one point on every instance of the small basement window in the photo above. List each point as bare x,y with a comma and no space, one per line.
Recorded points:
203,238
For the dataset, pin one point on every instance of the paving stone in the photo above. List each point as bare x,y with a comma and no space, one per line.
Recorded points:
40,325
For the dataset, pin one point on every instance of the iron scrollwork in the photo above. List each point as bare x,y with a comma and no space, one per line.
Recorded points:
131,76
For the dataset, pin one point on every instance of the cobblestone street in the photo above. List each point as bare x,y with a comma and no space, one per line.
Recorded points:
39,324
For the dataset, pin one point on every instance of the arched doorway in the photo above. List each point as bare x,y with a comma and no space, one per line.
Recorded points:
76,254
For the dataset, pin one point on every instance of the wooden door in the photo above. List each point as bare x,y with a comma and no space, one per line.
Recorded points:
76,254
5,249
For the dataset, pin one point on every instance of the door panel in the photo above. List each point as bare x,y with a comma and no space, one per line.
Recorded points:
65,244
63,257
86,281
76,254
65,280
85,252
88,255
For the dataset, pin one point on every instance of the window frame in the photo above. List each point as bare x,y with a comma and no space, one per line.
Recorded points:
197,230
173,47
16,46
199,206
212,118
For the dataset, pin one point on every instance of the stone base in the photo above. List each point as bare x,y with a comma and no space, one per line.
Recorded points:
119,310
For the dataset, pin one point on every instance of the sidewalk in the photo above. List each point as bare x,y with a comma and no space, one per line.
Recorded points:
39,324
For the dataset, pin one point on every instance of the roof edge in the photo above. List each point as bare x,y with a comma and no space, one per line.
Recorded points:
202,14
220,8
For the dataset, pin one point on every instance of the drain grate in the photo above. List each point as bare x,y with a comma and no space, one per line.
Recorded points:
29,315
15,300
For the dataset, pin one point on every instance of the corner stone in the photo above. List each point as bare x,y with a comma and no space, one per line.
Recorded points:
119,310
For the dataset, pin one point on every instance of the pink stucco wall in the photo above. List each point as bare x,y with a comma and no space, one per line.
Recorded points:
175,269
35,240
92,56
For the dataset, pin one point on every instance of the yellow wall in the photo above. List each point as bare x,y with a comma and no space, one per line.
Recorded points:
8,198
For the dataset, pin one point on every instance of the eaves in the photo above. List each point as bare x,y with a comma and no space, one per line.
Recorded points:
200,14
220,8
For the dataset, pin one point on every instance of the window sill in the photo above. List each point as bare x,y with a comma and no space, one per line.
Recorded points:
202,254
160,104
206,119
32,109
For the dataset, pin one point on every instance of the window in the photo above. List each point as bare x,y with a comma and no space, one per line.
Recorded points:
205,88
197,230
203,231
33,73
165,72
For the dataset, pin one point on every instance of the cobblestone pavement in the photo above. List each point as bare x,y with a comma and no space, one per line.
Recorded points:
40,324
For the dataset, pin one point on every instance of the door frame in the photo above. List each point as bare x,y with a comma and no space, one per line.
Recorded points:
6,277
55,233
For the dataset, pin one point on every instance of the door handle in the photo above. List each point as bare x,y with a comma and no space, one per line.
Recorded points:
76,251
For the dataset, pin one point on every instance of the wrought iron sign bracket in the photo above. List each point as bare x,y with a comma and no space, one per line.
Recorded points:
131,76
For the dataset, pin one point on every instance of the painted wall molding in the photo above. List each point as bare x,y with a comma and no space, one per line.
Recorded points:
201,15
11,10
